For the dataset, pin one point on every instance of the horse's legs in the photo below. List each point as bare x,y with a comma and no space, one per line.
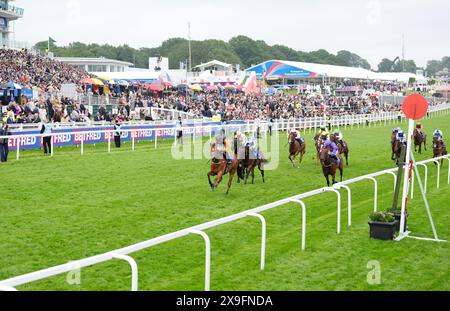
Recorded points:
247,174
253,174
230,181
262,173
300,159
327,177
218,179
210,183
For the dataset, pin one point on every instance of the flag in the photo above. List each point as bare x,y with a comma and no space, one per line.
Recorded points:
251,85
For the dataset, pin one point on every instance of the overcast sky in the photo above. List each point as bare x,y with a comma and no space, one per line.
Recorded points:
370,28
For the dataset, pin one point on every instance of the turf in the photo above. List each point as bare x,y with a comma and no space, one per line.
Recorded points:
55,210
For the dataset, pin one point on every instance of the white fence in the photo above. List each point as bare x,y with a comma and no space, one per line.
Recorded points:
305,124
249,127
124,253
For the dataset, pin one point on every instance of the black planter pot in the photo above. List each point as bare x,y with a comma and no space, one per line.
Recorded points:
382,230
398,218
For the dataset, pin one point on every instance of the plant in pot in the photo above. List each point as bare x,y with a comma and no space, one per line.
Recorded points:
382,226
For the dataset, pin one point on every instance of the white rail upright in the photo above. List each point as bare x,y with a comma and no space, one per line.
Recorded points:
134,270
263,238
207,257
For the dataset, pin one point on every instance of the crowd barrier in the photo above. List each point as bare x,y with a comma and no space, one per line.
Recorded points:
124,253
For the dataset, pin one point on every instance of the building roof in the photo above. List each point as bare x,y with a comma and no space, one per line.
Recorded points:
213,63
300,70
144,75
92,60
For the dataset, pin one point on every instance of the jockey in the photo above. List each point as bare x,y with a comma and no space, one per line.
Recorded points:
298,136
251,143
226,145
396,130
419,126
339,136
241,138
438,135
223,145
401,137
333,150
323,134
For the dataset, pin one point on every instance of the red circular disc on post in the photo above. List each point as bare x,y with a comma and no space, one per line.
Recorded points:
415,107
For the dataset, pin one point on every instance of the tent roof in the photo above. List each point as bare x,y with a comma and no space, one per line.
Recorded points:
213,63
312,70
130,75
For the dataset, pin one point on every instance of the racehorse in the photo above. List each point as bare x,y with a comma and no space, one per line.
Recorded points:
220,168
439,150
249,164
393,142
419,139
296,149
342,147
397,150
319,144
329,167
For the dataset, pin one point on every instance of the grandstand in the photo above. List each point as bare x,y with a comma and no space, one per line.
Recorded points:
9,13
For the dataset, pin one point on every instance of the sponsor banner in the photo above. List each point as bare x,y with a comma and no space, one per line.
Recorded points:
73,137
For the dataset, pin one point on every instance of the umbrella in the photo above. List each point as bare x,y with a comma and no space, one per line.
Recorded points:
182,86
105,78
196,88
230,87
154,87
169,85
212,88
12,85
92,81
121,82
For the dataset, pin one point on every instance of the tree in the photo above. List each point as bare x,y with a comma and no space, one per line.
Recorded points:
385,65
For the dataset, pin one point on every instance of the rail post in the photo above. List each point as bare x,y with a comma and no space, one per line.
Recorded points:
207,257
134,270
303,206
338,208
263,238
18,150
82,143
349,203
438,163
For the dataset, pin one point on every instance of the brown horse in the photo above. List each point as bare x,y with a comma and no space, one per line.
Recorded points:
420,138
439,149
393,145
318,144
342,146
250,163
329,166
220,167
296,149
397,150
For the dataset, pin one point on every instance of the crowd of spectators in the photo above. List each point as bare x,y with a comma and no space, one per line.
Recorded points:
134,103
31,70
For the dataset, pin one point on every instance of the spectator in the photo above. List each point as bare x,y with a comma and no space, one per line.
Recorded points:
4,148
117,133
46,130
